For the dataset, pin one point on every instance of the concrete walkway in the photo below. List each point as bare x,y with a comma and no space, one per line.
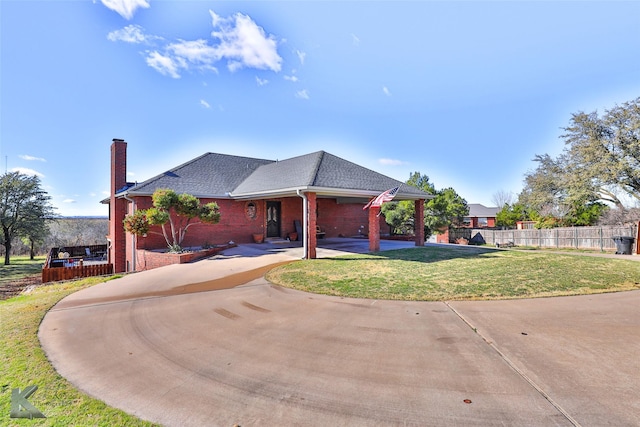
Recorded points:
212,343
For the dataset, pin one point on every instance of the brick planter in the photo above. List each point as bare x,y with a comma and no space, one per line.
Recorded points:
147,260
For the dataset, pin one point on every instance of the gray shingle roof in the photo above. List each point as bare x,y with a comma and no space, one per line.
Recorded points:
339,173
481,211
219,175
210,175
291,173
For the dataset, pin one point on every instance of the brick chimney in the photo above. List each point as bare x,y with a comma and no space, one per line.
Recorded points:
118,206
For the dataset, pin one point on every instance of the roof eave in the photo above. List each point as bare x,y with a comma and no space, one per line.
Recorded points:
323,191
268,194
130,193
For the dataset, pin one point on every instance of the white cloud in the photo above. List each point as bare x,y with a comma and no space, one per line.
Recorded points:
238,40
131,34
125,8
386,91
355,40
27,171
92,194
194,51
31,158
261,82
291,78
302,94
204,103
163,64
391,162
69,201
301,56
244,44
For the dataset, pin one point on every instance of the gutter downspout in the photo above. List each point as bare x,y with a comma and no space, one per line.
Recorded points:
305,223
133,236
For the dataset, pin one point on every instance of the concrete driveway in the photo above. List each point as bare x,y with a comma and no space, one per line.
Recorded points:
212,343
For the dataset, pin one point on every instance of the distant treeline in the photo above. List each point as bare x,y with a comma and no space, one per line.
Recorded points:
67,231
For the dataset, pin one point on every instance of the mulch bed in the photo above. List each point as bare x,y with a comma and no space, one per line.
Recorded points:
15,287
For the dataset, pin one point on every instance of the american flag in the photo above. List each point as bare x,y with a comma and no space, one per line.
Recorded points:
387,196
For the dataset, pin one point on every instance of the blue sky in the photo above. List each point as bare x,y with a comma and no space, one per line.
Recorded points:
464,92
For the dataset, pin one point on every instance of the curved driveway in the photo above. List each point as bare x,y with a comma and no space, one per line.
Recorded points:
213,343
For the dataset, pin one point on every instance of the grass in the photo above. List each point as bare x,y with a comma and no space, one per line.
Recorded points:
559,249
430,273
20,267
24,363
439,274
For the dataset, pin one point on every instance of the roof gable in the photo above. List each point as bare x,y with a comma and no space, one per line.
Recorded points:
295,172
320,170
210,175
215,175
335,172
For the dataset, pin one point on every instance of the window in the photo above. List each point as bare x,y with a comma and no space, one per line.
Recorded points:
482,222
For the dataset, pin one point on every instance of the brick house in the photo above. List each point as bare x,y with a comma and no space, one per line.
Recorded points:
480,216
258,196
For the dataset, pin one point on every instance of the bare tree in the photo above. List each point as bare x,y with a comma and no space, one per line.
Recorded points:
77,232
501,198
620,216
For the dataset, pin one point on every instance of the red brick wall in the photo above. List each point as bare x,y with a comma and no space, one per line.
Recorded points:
291,211
117,207
147,260
443,238
419,222
491,222
334,219
374,232
235,225
312,213
345,220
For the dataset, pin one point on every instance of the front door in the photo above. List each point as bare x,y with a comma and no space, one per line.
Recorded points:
273,219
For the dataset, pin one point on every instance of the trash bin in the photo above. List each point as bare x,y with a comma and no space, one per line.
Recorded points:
623,244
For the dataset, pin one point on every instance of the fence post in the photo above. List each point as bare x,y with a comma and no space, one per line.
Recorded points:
601,240
539,237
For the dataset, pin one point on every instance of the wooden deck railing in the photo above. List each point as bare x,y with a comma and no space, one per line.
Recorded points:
68,273
73,263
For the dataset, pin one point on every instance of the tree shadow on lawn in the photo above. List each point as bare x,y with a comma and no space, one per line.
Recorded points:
18,270
426,254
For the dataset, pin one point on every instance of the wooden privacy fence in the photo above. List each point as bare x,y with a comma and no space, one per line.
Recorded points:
593,238
67,273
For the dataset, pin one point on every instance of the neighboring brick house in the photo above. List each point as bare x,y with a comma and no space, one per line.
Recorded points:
480,216
258,196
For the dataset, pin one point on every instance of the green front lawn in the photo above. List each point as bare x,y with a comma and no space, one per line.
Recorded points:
24,364
20,267
430,273
454,273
